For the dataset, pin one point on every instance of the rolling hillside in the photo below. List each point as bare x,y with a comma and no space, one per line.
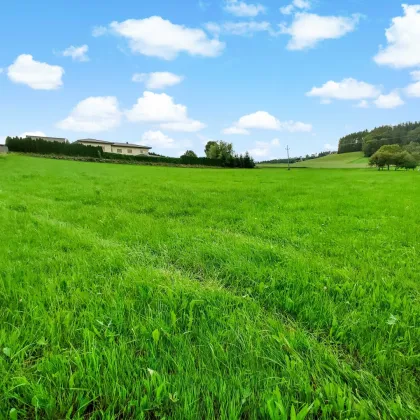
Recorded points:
342,161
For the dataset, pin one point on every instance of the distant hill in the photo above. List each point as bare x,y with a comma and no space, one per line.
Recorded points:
333,161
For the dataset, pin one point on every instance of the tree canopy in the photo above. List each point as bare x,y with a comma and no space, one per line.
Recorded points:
393,154
371,141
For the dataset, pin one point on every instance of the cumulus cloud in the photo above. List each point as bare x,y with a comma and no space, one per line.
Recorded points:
239,28
264,121
158,139
296,4
161,38
93,114
308,29
235,130
347,89
161,108
329,147
33,133
189,126
413,89
77,53
37,75
242,9
362,104
157,107
390,101
264,149
158,80
403,40
99,31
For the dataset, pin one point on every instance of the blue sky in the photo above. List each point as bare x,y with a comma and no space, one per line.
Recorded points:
261,74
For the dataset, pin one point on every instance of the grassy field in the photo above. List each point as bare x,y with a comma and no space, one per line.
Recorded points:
353,160
145,292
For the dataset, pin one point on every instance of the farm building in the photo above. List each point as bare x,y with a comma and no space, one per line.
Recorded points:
3,149
113,147
58,139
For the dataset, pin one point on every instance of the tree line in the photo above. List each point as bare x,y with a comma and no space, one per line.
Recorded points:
371,141
219,153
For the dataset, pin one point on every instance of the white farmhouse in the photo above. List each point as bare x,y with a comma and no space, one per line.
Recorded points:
113,147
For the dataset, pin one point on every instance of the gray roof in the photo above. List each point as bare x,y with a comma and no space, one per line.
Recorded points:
112,143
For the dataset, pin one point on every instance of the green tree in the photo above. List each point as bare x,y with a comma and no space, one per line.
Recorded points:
414,149
189,153
219,150
208,148
386,156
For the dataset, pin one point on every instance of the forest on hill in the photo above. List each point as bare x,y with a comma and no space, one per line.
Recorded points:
371,141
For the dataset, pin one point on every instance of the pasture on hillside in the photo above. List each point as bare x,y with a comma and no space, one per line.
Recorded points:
352,160
148,292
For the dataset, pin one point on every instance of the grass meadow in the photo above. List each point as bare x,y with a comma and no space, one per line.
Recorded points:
353,160
131,292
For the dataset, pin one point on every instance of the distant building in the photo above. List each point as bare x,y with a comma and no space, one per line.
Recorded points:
113,147
3,149
58,139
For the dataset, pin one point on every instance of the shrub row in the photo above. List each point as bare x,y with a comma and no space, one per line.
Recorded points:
43,147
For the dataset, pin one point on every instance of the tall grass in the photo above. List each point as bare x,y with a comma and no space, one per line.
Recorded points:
139,292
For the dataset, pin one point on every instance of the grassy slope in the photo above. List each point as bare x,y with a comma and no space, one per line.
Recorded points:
337,161
207,293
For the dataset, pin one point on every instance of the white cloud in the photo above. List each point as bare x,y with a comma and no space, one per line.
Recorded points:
362,104
93,114
158,37
189,126
347,89
296,4
326,101
157,107
99,31
158,139
242,9
264,121
33,133
239,28
203,5
77,53
1,70
263,149
287,10
390,101
158,80
329,148
258,152
413,90
161,108
235,130
403,38
37,75
308,29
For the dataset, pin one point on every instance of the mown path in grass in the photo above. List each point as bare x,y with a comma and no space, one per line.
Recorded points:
200,293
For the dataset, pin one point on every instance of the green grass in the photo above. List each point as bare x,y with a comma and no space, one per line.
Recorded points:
353,160
145,292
